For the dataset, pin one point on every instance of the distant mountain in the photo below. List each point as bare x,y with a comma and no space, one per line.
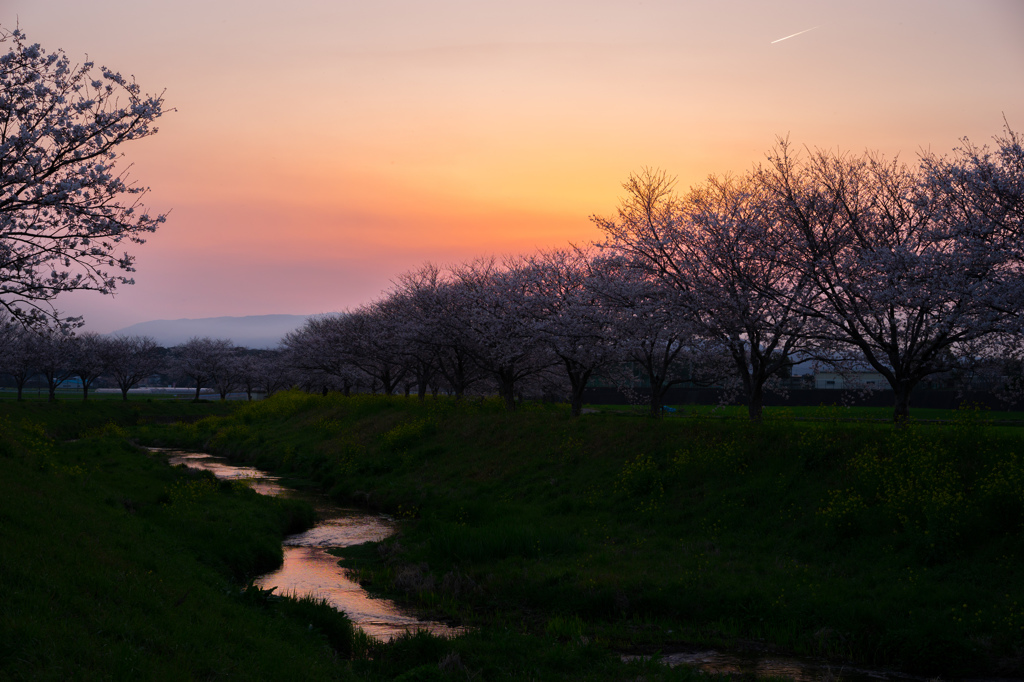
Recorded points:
252,331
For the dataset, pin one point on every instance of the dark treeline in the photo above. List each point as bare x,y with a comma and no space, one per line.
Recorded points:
55,354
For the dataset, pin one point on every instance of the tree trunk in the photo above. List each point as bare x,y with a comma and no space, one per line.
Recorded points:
657,393
198,386
421,391
578,381
506,389
577,402
124,393
755,402
901,410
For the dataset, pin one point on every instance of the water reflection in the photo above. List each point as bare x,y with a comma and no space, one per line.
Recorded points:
307,567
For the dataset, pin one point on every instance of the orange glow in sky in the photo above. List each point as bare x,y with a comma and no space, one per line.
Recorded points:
320,149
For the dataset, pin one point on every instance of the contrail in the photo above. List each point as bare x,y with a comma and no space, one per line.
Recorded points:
794,35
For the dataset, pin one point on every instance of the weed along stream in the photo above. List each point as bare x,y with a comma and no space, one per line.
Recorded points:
308,568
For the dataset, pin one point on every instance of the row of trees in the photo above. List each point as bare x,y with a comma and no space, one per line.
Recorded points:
845,258
851,260
57,354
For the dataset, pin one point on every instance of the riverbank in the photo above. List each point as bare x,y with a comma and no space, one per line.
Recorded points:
850,542
117,566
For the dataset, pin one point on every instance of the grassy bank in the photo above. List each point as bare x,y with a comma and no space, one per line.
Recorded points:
116,566
852,541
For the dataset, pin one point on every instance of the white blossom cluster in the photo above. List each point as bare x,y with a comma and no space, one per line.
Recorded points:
65,207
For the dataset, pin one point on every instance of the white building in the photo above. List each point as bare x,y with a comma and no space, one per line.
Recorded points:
862,379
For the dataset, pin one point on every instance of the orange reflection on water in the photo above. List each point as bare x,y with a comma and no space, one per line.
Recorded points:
308,569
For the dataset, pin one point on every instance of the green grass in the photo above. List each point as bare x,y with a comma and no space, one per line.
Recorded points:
117,566
562,542
853,541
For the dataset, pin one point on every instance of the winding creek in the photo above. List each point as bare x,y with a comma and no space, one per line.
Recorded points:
309,569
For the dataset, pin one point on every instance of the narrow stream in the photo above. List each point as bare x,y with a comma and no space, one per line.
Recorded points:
308,568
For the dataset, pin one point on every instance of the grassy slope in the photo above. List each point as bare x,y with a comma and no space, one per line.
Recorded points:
116,566
851,541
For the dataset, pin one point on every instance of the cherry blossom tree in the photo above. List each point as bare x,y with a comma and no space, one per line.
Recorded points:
898,274
654,332
65,207
500,323
982,191
264,370
203,359
718,247
413,303
437,328
317,352
51,349
573,320
16,352
371,343
229,374
86,359
129,360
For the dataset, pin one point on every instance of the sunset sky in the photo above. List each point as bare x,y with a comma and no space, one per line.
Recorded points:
320,148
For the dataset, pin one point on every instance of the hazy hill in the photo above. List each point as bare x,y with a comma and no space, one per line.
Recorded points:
252,331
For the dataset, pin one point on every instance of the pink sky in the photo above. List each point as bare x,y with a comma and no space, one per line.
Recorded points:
321,148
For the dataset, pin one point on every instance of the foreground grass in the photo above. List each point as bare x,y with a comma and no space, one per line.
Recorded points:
116,566
855,542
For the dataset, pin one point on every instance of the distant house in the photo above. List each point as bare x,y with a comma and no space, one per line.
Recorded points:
862,379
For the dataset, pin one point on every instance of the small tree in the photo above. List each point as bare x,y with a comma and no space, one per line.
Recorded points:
129,360
51,348
86,359
15,352
230,374
574,321
318,354
500,323
653,329
265,370
203,359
